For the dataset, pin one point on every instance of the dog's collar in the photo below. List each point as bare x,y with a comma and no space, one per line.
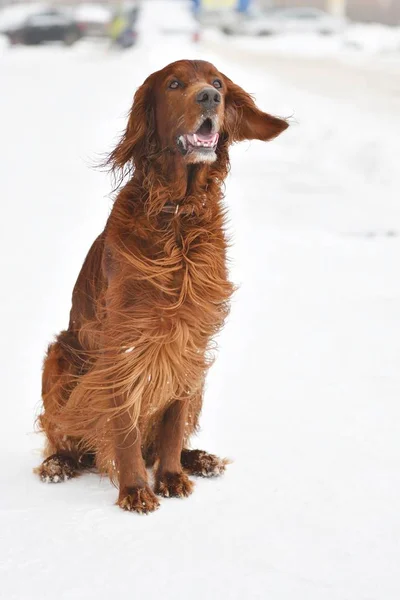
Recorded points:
177,208
171,207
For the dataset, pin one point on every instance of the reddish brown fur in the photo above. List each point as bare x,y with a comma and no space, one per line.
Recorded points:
126,379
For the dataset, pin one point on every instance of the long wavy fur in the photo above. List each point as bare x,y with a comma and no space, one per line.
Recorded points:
151,296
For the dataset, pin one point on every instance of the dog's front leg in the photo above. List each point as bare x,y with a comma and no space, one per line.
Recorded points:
134,491
171,481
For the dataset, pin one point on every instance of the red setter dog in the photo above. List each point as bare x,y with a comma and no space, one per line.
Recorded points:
123,385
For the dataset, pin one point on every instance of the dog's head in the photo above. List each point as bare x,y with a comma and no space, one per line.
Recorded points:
188,108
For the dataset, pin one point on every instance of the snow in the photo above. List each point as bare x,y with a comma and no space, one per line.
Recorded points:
13,16
365,38
373,37
304,395
93,13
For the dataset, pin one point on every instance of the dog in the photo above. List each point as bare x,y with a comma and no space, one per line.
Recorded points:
123,385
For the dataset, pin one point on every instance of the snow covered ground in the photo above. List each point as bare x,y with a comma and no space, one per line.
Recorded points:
357,39
305,393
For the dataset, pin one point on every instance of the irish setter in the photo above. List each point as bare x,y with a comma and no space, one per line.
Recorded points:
123,385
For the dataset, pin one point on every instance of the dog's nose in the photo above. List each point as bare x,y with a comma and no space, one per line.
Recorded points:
208,97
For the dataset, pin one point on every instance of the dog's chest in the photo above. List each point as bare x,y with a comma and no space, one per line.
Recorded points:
200,277
180,279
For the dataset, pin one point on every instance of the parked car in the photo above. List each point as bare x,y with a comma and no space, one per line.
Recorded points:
92,19
273,21
208,17
47,26
174,18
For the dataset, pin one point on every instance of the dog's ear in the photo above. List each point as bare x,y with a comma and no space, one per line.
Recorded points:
244,121
139,139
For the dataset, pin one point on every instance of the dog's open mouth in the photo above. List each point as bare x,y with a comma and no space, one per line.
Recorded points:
205,139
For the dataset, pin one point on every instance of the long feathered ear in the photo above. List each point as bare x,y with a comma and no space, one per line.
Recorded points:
139,139
244,121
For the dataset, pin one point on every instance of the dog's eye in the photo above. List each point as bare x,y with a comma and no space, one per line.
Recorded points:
174,84
217,83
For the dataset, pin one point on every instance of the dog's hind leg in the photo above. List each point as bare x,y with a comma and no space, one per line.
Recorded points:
62,466
198,462
61,371
203,464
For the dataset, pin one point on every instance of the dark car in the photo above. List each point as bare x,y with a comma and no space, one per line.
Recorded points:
46,26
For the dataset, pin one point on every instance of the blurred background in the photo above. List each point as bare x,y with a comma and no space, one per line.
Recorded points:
34,22
304,395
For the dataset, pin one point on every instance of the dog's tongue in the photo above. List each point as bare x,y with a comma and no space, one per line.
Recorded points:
206,137
203,139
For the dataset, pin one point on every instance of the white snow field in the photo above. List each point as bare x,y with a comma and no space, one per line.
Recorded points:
305,394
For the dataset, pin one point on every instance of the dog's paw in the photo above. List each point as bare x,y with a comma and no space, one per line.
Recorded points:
138,499
203,464
174,485
57,468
